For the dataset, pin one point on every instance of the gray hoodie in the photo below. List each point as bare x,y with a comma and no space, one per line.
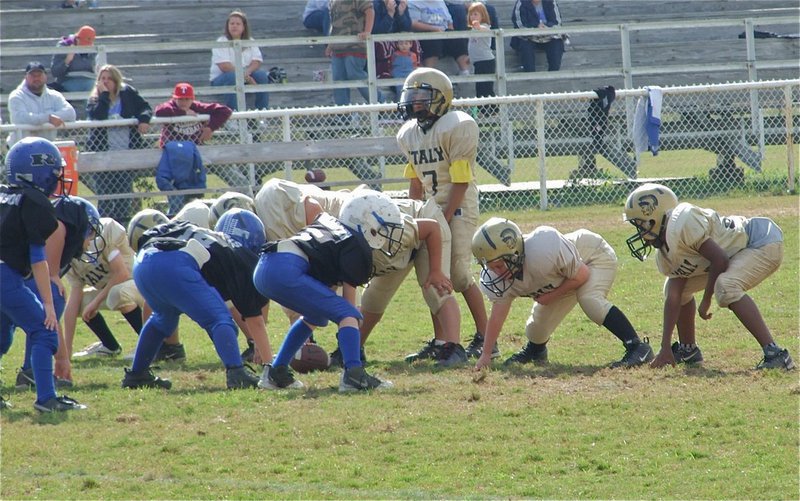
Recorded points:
26,108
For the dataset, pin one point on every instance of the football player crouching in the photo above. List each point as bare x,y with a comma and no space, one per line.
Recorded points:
558,271
204,269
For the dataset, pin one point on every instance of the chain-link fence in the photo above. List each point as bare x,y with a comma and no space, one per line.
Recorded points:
535,151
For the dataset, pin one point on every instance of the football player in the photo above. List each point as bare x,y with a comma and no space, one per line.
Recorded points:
699,250
203,269
440,146
77,226
558,271
300,273
286,207
101,279
27,220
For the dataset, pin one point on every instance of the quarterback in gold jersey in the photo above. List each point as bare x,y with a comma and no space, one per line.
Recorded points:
698,250
440,146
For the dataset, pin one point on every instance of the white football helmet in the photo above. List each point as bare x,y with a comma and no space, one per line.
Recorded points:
375,216
499,239
647,208
226,202
141,222
427,94
195,212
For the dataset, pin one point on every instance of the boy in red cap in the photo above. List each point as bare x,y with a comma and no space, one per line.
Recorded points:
75,72
183,103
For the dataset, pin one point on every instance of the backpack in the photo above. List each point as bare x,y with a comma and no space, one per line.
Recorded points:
180,167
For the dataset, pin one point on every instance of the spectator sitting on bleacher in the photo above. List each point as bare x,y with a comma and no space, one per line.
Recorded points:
223,72
112,99
433,16
317,17
537,14
75,72
33,103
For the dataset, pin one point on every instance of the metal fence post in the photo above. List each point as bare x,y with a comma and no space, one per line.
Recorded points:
791,154
541,153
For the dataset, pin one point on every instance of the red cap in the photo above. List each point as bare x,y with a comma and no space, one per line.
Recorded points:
183,90
86,35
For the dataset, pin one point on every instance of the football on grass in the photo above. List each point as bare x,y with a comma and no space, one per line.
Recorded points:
310,357
315,176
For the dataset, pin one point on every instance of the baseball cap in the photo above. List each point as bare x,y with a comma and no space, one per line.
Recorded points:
85,35
35,66
183,90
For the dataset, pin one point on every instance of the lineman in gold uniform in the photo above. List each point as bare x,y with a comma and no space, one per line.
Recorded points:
441,146
697,250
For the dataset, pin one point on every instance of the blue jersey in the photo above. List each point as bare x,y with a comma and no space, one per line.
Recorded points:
26,218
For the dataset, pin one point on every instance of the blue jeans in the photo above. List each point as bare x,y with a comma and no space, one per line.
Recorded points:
229,78
554,49
349,68
77,84
319,20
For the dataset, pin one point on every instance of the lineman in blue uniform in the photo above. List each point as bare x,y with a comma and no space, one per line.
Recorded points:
300,273
27,219
182,268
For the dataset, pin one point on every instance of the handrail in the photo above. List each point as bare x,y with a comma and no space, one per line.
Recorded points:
501,74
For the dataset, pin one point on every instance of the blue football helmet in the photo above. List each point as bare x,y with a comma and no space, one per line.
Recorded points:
243,227
91,226
35,162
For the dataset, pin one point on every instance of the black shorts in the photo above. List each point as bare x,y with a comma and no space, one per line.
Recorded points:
453,47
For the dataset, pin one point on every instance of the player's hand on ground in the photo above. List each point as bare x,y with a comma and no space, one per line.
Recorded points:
440,282
485,361
63,368
663,358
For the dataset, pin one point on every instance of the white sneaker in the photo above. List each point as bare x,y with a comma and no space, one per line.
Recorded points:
96,350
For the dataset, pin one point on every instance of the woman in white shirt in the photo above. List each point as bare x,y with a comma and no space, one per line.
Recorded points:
222,61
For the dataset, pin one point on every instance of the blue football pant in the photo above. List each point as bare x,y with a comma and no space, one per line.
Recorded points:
171,283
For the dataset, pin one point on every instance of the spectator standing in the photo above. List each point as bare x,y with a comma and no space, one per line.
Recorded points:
349,60
404,60
75,72
537,14
317,17
391,16
33,103
480,48
183,103
113,99
222,60
434,16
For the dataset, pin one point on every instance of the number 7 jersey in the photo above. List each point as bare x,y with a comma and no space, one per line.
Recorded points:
448,148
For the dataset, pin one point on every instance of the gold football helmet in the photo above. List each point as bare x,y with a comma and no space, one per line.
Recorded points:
427,94
647,209
499,239
141,222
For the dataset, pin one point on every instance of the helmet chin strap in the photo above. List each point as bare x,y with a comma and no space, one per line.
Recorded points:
427,121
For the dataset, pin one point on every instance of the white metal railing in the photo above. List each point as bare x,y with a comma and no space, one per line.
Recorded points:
526,130
750,65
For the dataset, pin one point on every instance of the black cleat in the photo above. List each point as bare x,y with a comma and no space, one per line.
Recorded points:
635,354
475,347
278,378
59,404
450,355
241,377
531,353
171,353
144,379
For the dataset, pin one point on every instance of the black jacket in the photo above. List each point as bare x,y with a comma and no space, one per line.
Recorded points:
133,106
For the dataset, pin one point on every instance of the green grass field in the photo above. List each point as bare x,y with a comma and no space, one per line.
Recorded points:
574,429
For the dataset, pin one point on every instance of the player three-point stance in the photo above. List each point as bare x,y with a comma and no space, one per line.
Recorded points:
557,271
698,250
300,272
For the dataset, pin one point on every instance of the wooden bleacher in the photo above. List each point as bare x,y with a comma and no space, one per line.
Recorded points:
202,20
